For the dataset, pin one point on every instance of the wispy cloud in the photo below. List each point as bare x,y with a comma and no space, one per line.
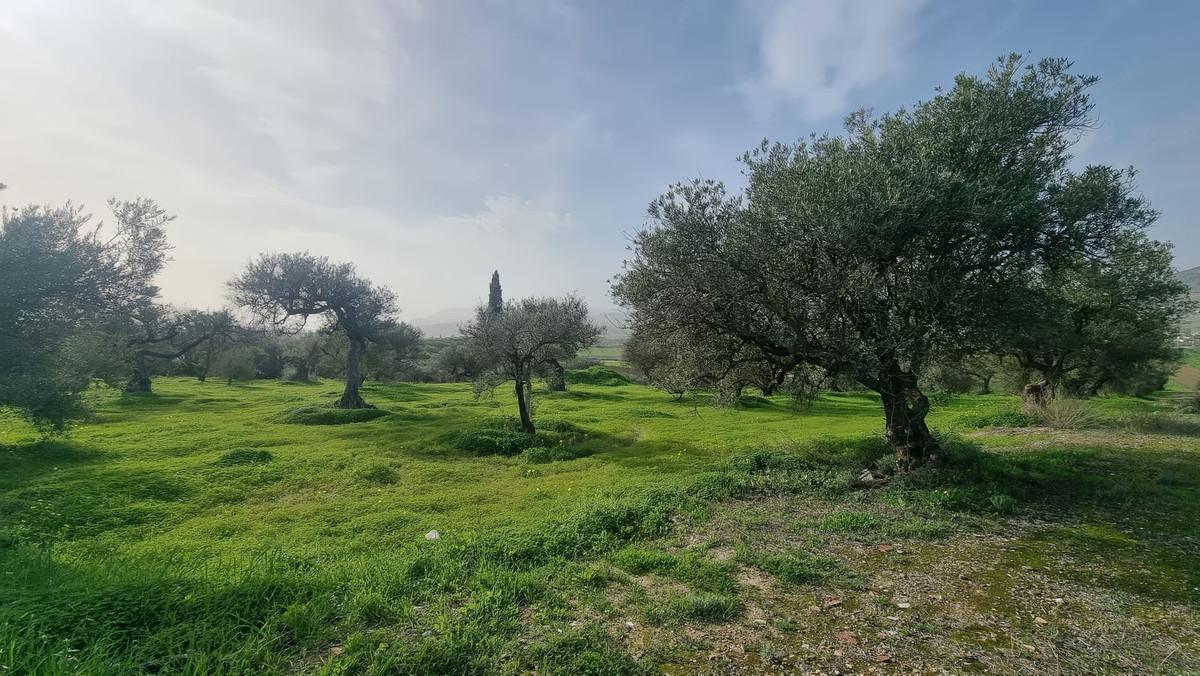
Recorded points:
816,54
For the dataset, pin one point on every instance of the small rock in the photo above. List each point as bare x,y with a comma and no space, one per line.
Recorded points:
846,638
1040,620
885,548
1058,601
433,535
629,625
760,622
831,602
894,618
883,658
574,624
904,605
427,633
336,650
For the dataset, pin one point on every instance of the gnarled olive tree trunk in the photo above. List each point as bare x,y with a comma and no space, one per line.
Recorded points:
350,396
523,406
139,380
904,411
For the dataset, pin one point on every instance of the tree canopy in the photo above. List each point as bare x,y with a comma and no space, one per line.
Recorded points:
65,284
524,336
284,290
912,235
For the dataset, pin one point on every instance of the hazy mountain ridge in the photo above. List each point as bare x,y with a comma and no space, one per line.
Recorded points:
445,323
1191,277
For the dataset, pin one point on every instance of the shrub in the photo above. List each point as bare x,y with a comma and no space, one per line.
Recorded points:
596,375
245,456
1060,413
327,415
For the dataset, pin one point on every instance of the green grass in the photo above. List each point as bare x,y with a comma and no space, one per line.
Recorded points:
201,530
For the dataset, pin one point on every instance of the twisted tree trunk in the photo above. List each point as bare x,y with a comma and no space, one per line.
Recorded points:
350,396
139,380
904,411
523,407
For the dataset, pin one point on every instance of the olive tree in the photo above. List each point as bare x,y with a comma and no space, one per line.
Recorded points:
871,253
284,290
1101,320
515,342
68,287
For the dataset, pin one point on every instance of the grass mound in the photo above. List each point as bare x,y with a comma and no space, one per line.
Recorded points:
245,456
503,436
538,455
379,474
328,415
596,375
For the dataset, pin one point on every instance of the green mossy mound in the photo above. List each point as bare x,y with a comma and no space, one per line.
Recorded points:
245,456
327,415
596,375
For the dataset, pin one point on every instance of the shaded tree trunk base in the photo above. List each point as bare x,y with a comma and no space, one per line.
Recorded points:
139,382
523,407
907,434
351,400
1037,393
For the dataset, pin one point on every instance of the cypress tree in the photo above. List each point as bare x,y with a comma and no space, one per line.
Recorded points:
495,298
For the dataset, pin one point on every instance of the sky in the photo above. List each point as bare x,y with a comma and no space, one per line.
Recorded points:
432,141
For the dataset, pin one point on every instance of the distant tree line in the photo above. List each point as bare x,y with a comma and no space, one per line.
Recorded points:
947,246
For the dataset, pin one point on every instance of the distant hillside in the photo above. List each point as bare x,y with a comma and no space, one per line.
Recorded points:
445,323
1191,278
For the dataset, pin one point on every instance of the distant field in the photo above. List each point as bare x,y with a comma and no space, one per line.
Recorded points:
1188,375
194,530
608,352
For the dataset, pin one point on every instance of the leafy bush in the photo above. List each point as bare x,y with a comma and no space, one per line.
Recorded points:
245,456
328,415
596,375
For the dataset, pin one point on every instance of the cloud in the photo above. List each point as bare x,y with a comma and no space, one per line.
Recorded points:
816,54
354,131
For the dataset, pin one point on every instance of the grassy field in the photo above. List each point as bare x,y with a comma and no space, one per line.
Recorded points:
210,528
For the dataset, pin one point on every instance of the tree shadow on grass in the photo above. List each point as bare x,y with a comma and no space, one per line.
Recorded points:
20,463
